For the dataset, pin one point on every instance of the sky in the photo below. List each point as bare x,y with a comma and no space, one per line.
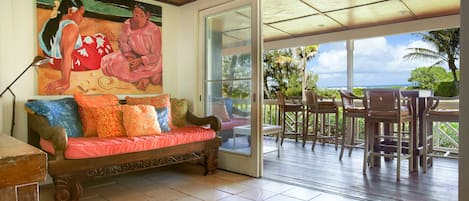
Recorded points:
377,61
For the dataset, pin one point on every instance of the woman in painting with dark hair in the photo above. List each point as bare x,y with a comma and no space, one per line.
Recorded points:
60,39
139,58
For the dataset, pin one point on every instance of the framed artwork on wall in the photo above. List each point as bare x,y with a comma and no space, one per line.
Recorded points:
99,46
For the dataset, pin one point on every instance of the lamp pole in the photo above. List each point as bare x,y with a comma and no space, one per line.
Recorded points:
38,60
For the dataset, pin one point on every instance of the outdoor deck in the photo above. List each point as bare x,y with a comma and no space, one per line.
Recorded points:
322,170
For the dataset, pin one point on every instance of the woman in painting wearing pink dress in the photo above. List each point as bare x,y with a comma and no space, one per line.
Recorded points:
139,59
60,39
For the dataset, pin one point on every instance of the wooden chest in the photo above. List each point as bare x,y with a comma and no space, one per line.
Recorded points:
22,166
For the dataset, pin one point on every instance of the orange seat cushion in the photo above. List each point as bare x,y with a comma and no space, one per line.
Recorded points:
93,147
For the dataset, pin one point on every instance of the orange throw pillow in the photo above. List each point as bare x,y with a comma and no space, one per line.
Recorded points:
87,105
109,122
157,101
140,120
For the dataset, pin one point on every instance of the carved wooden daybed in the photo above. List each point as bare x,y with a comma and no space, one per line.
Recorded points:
68,173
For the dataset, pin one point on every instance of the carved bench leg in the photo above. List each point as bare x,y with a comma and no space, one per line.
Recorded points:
67,188
211,161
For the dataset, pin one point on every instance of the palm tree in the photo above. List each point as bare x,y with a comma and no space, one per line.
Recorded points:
305,54
447,49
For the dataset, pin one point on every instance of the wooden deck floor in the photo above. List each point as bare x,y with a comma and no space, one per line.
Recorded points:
322,170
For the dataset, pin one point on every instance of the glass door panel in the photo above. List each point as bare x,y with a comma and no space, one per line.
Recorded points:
230,88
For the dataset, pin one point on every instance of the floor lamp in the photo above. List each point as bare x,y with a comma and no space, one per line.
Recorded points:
38,60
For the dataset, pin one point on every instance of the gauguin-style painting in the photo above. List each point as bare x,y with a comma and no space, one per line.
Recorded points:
99,46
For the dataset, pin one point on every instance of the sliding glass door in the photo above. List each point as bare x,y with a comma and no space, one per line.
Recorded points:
231,63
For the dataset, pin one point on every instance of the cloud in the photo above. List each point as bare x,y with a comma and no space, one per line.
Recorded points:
376,61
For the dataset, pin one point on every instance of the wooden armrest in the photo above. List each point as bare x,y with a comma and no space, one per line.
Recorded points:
40,125
214,121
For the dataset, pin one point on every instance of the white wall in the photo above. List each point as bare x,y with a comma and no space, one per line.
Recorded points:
18,47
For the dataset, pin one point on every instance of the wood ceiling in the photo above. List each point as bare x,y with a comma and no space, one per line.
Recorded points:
286,19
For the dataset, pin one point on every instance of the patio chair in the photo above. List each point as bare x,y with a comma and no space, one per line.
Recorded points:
316,105
434,113
285,107
352,112
389,107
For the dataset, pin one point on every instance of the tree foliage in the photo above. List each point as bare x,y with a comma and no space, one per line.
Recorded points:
429,77
236,73
284,70
447,50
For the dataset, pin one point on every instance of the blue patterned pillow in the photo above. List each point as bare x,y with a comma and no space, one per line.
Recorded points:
61,112
163,118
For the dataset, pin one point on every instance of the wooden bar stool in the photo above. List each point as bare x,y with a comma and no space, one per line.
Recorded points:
292,107
317,106
389,107
434,113
352,112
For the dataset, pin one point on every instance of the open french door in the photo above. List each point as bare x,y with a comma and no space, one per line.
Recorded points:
230,61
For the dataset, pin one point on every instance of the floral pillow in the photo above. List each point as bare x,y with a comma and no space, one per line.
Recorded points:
157,101
140,120
61,112
88,104
109,121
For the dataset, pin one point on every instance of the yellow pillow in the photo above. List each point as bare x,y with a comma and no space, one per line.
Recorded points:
179,111
109,121
140,120
87,105
157,101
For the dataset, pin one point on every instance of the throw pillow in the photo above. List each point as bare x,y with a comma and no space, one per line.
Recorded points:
87,109
61,112
219,110
179,111
140,120
157,101
109,121
228,104
162,114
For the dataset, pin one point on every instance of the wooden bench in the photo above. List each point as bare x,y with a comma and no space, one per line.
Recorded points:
68,173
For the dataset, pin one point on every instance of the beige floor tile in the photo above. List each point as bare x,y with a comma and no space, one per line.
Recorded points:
188,198
190,188
213,181
257,194
92,198
277,187
234,198
162,193
233,188
211,195
330,197
282,198
231,176
126,197
302,193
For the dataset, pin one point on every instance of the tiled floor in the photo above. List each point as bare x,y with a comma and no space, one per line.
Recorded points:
186,182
